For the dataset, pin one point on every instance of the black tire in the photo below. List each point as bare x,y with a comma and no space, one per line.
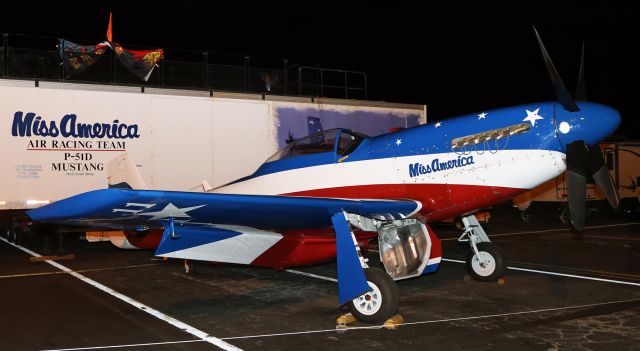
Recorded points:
388,297
13,234
189,267
494,266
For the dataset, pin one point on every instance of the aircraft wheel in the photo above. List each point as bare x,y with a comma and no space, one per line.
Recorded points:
381,303
489,265
189,267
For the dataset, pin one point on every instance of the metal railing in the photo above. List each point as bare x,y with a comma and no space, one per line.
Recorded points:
36,57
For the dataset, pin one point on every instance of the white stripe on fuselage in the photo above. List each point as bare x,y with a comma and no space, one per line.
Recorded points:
521,169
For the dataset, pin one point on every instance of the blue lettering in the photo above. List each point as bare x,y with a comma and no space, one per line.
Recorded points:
434,165
414,170
417,168
53,129
22,127
26,125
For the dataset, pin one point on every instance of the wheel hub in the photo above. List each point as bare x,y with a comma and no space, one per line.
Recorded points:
483,263
369,303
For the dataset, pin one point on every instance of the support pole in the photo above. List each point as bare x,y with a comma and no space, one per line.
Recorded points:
205,61
247,65
5,43
286,76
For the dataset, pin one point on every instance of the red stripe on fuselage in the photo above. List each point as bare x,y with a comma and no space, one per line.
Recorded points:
439,201
300,248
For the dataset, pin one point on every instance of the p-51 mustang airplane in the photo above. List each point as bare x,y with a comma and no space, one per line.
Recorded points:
301,205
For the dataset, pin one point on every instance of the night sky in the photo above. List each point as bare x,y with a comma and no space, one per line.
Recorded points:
457,58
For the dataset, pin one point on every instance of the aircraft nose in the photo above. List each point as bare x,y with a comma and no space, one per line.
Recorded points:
593,123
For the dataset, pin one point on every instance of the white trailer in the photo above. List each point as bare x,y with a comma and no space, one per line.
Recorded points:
57,138
622,160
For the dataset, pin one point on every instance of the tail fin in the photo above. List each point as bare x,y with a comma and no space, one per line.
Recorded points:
123,173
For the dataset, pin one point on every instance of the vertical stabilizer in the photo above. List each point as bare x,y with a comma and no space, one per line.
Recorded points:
122,172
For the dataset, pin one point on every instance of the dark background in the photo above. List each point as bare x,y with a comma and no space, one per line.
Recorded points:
456,57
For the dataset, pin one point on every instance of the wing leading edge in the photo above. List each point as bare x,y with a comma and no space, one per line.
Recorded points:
129,209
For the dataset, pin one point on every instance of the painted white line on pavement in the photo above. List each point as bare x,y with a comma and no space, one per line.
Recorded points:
312,275
79,271
176,323
552,230
560,274
433,321
129,345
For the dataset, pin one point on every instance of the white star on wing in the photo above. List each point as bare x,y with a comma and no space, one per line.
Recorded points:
398,142
438,124
482,115
532,117
169,211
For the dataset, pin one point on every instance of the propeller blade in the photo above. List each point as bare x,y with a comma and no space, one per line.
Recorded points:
581,86
577,199
577,157
563,95
601,176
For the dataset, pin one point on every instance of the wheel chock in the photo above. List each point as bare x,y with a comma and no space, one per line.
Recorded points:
394,322
52,258
345,319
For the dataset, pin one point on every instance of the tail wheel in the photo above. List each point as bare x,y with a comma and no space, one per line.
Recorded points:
381,303
488,265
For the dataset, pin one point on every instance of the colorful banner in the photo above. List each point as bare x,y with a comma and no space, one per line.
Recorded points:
76,58
139,62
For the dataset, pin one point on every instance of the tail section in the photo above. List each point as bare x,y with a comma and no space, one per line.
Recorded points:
123,173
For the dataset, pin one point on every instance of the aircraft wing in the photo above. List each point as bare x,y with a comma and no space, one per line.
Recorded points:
125,209
201,225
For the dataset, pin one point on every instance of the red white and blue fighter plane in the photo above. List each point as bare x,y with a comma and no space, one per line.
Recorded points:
322,196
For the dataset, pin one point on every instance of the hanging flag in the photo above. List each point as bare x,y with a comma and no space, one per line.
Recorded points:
139,62
109,30
76,58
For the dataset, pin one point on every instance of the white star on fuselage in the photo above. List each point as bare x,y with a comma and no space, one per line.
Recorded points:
398,142
169,211
438,124
532,117
482,115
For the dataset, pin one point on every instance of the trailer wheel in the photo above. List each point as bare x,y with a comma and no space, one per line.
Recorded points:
381,303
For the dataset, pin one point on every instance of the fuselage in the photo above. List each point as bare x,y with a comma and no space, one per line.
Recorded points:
451,167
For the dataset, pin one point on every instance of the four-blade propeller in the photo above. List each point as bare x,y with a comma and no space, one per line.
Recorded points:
583,160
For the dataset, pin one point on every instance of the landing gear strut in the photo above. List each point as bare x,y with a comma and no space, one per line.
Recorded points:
485,261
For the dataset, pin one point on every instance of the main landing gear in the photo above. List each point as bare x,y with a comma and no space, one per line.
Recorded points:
485,261
378,304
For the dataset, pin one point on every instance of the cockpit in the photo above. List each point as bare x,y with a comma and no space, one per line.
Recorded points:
340,141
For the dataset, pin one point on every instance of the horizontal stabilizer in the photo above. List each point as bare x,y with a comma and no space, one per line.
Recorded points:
230,244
